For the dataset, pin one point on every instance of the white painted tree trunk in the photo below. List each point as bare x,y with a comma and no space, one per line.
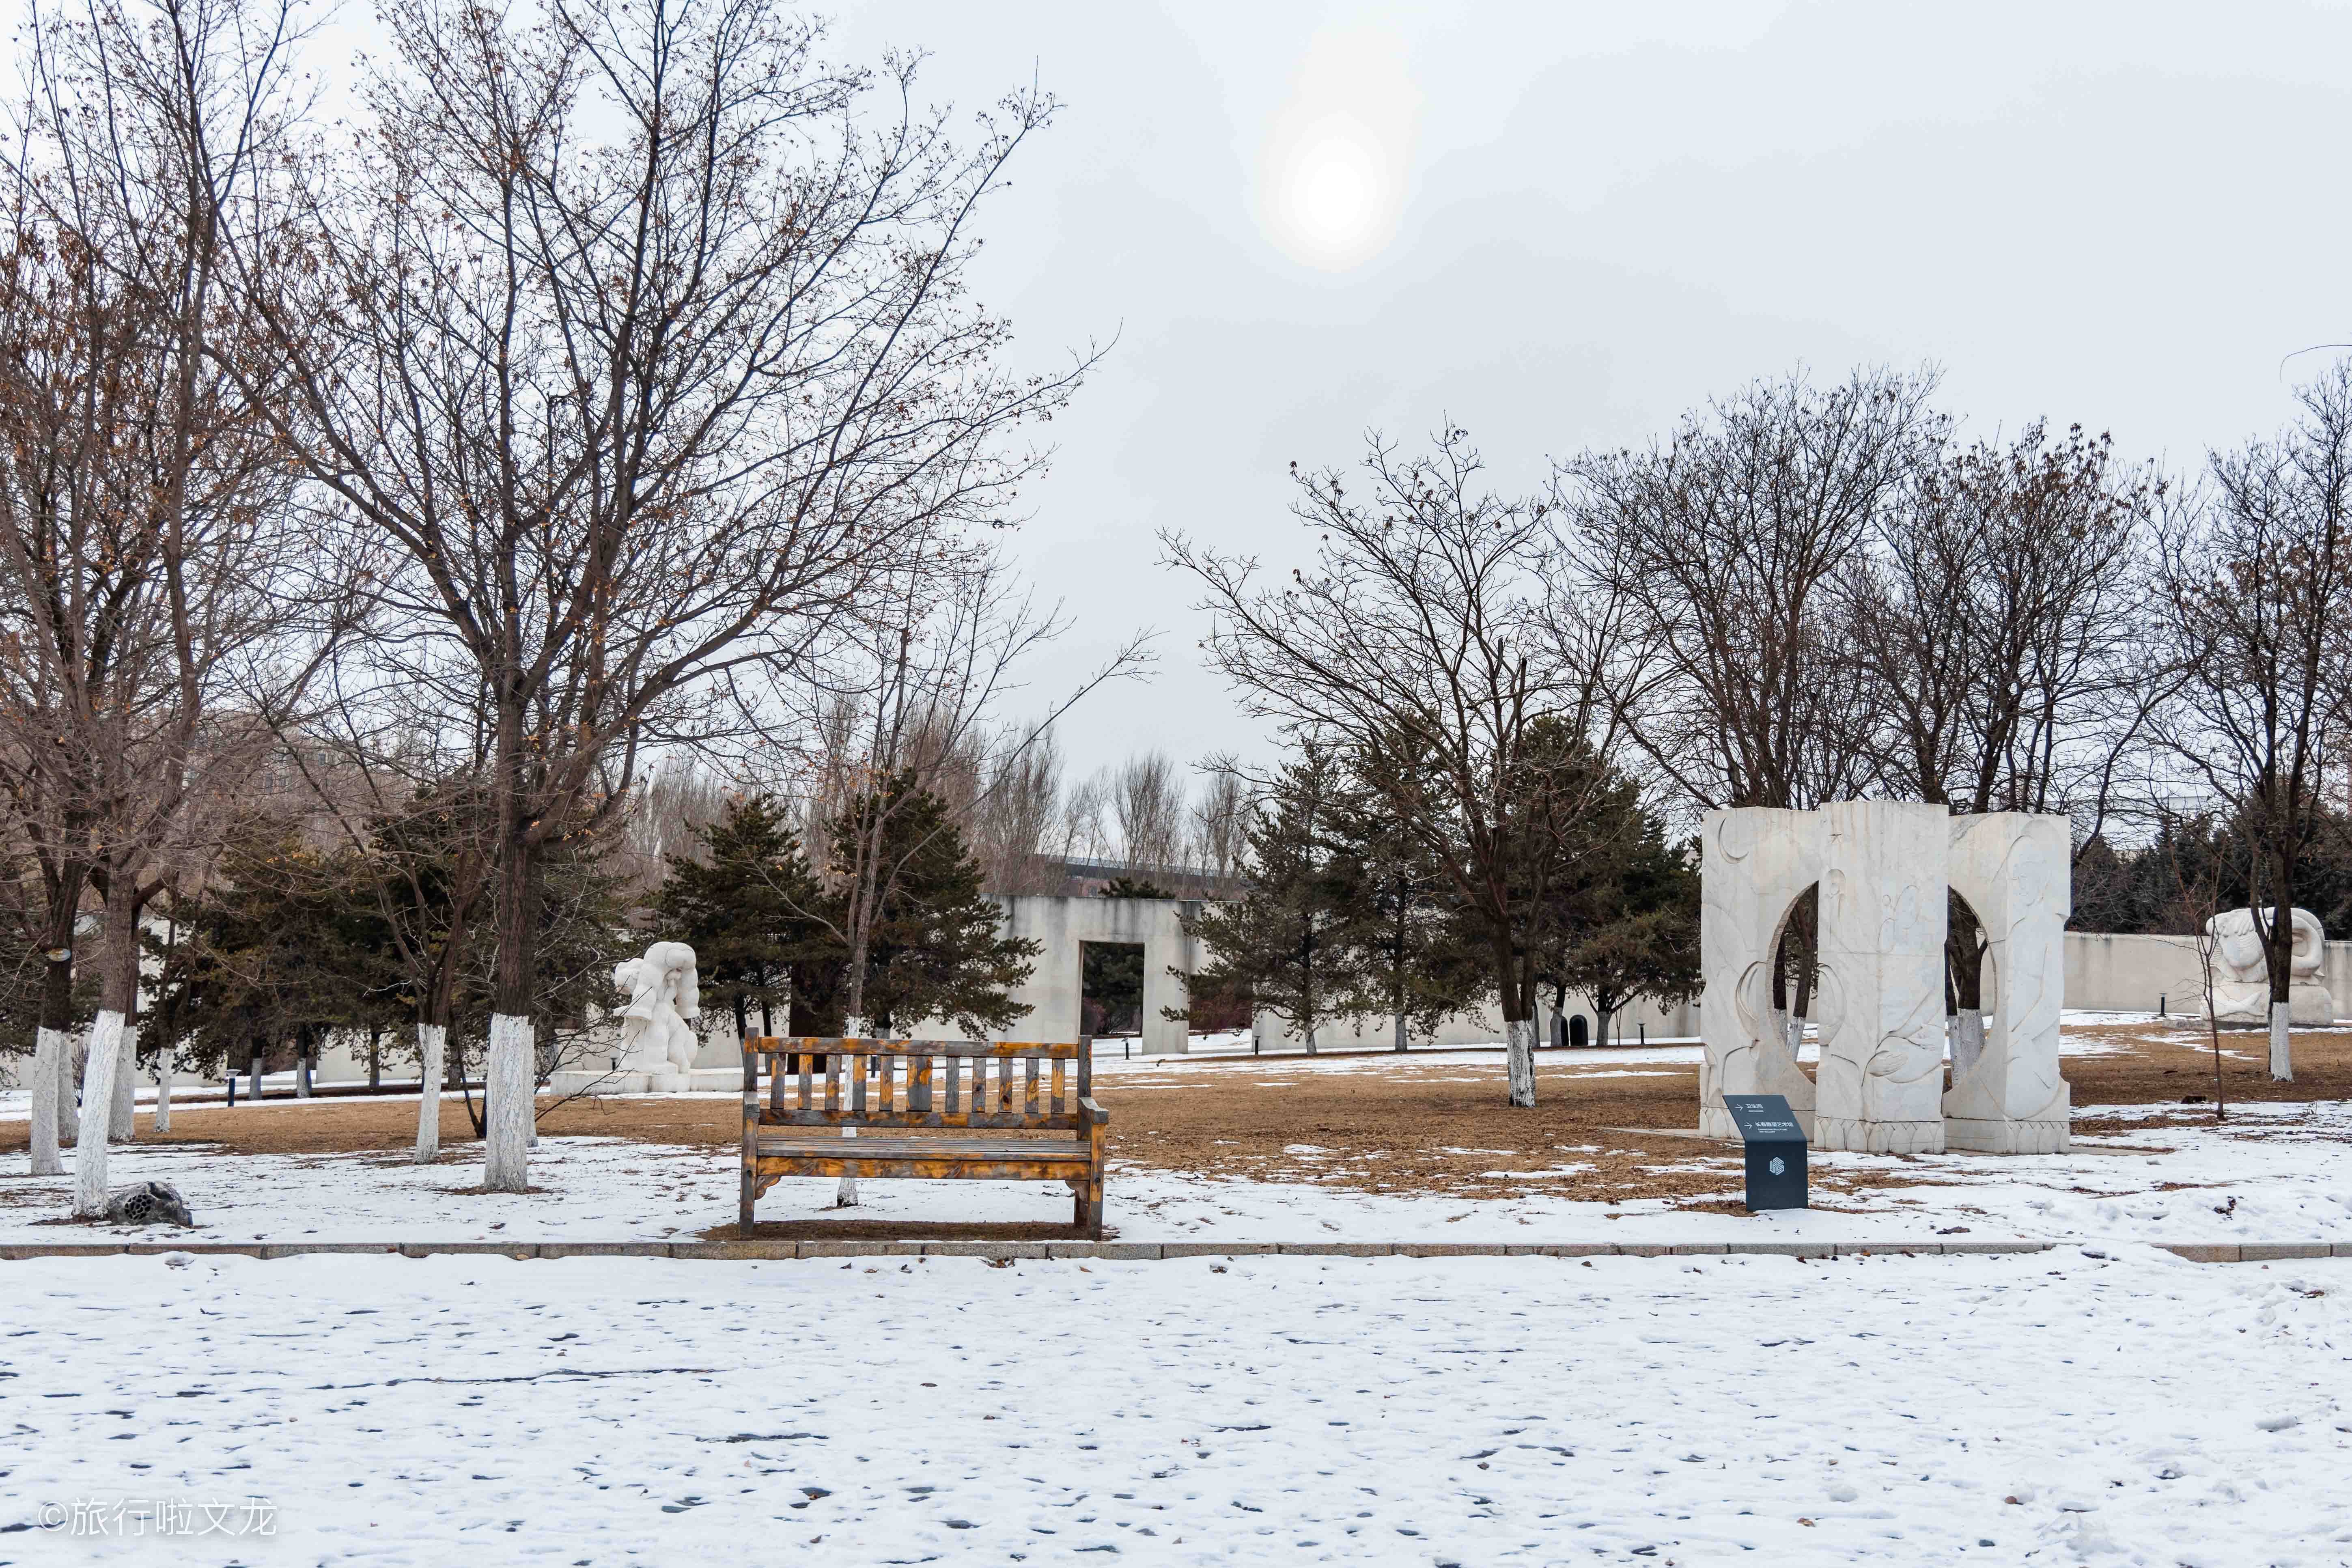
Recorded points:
125,1125
1796,1028
1521,1050
845,1196
162,1091
2282,1052
1778,1022
505,1084
1967,1040
1310,1039
98,1093
76,1057
48,1086
432,1043
302,1075
1400,1031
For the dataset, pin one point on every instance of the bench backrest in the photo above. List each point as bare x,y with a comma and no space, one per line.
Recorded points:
915,1083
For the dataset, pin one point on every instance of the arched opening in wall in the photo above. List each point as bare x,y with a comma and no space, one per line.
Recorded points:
1110,988
1796,951
1969,985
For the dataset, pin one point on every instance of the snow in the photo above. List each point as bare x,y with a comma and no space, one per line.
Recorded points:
2275,1173
2058,1409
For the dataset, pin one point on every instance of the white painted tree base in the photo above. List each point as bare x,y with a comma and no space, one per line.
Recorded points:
122,1125
48,1076
431,1046
106,1038
507,1084
2281,1046
1519,1047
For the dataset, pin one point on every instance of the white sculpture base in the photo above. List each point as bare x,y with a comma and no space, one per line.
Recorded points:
597,1084
2007,1137
2250,1005
1878,1136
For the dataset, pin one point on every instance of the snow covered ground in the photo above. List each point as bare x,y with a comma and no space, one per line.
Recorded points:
2278,1172
2275,1173
2056,1408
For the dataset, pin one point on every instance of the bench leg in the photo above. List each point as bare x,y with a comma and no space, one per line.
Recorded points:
743,1214
1090,1210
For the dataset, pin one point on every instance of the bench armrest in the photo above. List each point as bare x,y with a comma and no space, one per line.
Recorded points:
1094,1113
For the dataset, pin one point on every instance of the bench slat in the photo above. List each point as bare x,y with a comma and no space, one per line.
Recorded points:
927,1170
778,1143
821,1045
1010,1120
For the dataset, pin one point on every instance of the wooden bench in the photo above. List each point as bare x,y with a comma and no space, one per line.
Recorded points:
934,1110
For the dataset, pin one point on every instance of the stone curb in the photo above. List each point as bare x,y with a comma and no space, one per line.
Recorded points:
1139,1251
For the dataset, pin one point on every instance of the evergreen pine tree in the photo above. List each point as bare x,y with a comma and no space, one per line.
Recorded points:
749,905
934,949
1284,943
1401,947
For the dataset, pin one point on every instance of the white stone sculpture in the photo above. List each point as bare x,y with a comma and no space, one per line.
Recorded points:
2007,1097
1754,864
2242,981
663,994
1881,1079
1884,869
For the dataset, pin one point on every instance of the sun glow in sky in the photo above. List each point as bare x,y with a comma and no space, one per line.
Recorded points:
1334,164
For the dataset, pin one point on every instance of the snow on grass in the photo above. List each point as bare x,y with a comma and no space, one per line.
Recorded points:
2274,1173
2058,1408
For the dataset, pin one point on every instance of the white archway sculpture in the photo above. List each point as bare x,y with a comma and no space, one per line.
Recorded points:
1884,869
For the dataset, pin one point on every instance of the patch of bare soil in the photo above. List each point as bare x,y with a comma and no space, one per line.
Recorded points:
1380,1127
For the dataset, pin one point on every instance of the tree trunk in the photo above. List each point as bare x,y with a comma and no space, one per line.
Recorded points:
253,1076
122,1126
2282,1052
111,1039
302,1069
50,1057
432,1040
97,1092
163,1088
510,1105
1400,1031
1520,1034
1968,1041
506,1086
76,1059
375,1057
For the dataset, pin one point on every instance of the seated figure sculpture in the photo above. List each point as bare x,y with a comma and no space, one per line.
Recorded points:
2241,982
663,994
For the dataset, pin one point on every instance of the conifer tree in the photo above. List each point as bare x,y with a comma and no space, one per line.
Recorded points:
1286,942
1401,944
744,903
933,946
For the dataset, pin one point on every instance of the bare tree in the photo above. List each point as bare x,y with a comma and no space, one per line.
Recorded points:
1017,813
2255,581
1221,818
1737,677
1725,542
1430,642
2000,618
145,551
944,642
646,348
1147,800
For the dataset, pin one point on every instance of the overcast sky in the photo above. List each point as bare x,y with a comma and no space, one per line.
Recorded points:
1563,225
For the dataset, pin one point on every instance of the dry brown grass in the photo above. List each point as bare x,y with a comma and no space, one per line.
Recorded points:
1386,1125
